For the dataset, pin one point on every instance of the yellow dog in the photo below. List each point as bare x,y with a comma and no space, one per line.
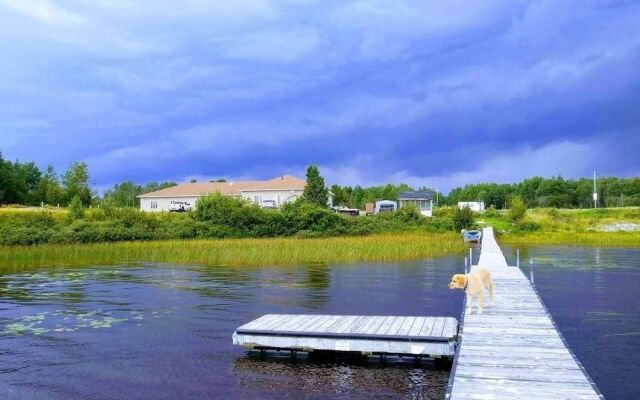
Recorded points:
473,284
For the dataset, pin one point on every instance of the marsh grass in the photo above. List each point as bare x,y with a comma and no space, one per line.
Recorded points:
238,252
590,238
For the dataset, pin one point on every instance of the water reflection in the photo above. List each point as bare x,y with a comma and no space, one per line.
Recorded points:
163,331
340,380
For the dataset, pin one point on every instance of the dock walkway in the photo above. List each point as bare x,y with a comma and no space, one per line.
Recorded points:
514,350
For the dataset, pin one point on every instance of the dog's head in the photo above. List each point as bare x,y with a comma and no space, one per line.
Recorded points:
458,281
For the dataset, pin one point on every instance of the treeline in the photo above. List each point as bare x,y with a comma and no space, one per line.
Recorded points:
358,196
126,194
24,183
554,192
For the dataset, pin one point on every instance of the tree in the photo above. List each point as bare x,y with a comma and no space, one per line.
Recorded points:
75,182
27,178
76,209
315,190
49,190
518,210
154,186
7,181
463,218
124,194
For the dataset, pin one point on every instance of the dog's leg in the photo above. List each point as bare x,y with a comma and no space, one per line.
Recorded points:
480,301
490,288
469,303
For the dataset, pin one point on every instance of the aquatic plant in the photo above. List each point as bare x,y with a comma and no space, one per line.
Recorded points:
239,252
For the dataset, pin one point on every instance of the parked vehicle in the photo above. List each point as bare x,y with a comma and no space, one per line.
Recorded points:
269,204
179,206
346,210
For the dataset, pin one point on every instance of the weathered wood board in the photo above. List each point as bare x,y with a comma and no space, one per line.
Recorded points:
399,335
514,350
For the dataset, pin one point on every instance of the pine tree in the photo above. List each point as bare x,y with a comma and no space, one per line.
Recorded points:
315,191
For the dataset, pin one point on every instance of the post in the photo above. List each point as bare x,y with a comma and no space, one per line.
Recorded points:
466,264
531,271
518,258
595,191
470,257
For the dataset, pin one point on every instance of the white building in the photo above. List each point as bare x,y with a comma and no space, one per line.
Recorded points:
272,193
477,206
423,201
385,206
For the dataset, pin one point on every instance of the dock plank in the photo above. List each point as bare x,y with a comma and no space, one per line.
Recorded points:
514,350
367,334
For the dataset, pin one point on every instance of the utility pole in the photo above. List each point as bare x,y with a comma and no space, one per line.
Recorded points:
595,191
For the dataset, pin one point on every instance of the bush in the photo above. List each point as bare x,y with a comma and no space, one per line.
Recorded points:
518,210
409,214
214,217
228,211
463,218
76,209
491,212
527,226
304,216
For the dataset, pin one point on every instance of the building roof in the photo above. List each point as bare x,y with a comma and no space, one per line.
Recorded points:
415,196
385,202
285,182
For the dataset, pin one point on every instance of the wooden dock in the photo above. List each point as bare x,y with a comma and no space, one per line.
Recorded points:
514,350
368,335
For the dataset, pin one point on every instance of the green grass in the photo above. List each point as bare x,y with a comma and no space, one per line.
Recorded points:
595,239
239,252
572,227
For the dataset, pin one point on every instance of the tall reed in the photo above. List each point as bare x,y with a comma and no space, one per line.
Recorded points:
238,252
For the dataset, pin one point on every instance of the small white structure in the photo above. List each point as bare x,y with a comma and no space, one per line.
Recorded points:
477,206
269,194
385,206
423,201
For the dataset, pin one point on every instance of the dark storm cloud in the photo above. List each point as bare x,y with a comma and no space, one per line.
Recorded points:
371,91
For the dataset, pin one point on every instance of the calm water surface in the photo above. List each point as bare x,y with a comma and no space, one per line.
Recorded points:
164,332
594,298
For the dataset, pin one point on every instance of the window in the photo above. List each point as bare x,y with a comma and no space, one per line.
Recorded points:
154,204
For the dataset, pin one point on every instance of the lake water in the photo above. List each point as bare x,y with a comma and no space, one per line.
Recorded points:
164,332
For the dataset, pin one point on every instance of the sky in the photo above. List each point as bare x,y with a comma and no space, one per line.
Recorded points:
429,93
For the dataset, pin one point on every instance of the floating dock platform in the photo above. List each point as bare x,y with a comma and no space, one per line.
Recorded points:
429,337
514,349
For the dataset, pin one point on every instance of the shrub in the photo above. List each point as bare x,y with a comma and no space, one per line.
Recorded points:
463,218
228,211
491,212
518,210
305,216
409,214
527,226
76,209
